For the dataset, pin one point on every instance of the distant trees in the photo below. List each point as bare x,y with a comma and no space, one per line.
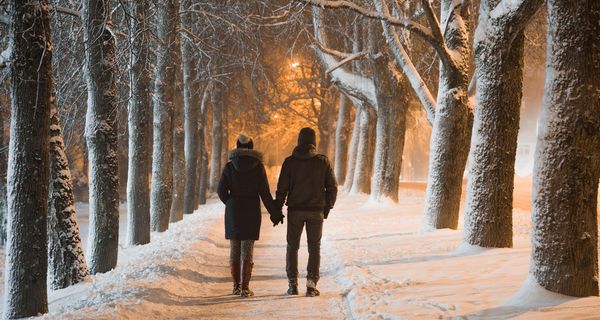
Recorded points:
29,159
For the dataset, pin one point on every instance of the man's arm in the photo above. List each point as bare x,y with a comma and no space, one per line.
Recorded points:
330,186
283,185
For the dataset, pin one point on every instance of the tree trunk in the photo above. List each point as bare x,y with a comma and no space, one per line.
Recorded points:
202,149
3,199
364,152
565,188
164,96
66,265
179,177
392,99
353,150
101,136
192,110
451,132
28,164
326,119
499,72
225,128
217,137
140,129
341,139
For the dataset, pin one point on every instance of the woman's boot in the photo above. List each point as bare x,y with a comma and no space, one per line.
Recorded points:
246,275
235,275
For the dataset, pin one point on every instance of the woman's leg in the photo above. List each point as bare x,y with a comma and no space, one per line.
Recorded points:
247,264
234,264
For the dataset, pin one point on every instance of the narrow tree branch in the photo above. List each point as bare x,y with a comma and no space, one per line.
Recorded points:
71,12
5,20
433,21
412,26
350,58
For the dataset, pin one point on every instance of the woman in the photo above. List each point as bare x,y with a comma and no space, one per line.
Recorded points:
244,179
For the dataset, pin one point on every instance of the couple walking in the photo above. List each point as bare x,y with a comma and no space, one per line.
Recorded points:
306,185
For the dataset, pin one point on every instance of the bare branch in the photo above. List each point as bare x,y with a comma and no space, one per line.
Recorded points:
351,57
412,26
71,12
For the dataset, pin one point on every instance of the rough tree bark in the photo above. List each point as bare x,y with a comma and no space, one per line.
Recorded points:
565,188
66,261
140,128
101,136
179,177
192,110
353,150
364,153
3,164
392,99
451,132
325,124
163,100
28,163
341,139
217,137
203,173
499,73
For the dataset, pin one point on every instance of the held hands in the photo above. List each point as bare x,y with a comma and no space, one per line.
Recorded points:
326,212
277,218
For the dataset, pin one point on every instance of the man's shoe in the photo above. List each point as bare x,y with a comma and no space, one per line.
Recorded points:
292,287
312,292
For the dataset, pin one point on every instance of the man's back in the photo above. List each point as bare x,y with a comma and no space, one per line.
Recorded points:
307,180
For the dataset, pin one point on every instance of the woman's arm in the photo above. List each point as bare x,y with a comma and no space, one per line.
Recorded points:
223,188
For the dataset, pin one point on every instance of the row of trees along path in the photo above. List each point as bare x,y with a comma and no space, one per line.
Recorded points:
374,74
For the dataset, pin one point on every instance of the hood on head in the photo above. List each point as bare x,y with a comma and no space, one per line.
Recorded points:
307,136
305,151
244,159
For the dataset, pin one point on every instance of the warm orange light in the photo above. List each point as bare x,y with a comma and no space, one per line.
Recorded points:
295,64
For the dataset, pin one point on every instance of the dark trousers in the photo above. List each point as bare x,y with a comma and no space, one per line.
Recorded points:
314,230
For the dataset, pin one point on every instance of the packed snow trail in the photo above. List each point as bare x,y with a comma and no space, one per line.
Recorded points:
376,264
184,274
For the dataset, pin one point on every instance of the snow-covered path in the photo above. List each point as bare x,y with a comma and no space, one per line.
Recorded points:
184,274
376,264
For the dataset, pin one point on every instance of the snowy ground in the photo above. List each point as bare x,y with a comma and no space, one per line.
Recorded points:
377,264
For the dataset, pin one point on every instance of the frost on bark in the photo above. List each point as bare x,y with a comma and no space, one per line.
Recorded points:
66,261
352,150
499,71
341,139
451,132
163,100
364,153
140,128
392,99
192,109
567,163
202,150
3,200
101,136
217,137
325,125
179,177
28,163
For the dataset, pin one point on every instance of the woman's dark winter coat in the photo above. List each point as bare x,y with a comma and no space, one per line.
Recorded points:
243,181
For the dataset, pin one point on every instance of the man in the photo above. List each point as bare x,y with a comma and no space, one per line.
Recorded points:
308,183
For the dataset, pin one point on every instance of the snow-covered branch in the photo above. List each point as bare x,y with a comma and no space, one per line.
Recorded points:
5,20
5,57
360,87
409,25
350,58
403,59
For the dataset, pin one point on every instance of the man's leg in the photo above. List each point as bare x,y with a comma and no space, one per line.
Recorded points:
294,232
314,231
